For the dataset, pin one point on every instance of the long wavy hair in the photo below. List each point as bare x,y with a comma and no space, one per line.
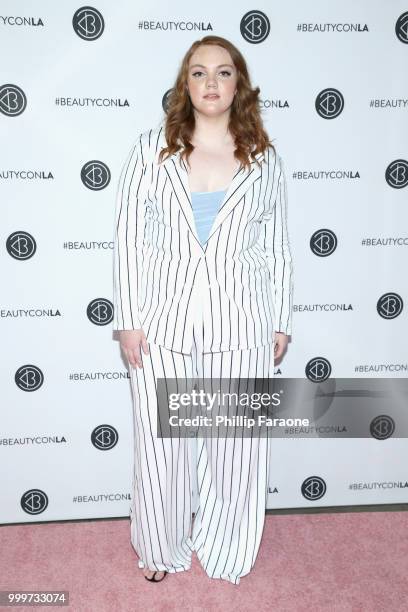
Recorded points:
245,122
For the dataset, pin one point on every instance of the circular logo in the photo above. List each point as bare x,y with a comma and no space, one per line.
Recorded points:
13,100
100,311
95,175
255,27
104,437
165,100
396,174
382,427
21,245
318,369
88,23
401,28
329,103
323,242
390,305
29,378
34,501
313,488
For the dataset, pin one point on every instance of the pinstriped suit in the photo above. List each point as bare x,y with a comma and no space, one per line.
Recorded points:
207,312
242,277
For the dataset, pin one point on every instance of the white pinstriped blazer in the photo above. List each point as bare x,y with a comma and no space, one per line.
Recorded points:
240,281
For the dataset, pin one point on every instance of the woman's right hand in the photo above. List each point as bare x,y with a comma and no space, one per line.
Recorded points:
130,342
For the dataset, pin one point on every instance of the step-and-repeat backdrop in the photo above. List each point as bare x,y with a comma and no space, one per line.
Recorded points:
78,83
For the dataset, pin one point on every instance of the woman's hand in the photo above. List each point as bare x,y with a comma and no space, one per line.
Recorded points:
280,344
130,343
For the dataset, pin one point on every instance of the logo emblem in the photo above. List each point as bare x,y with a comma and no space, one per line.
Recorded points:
13,100
401,28
104,437
95,175
318,369
29,378
255,27
390,305
165,100
323,242
382,427
396,174
329,103
313,488
34,501
21,245
100,311
88,23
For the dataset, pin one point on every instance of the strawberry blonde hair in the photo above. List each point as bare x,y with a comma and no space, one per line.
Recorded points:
245,122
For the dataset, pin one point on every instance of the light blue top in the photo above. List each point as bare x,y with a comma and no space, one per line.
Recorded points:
206,205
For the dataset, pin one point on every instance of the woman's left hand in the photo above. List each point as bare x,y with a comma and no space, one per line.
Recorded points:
280,344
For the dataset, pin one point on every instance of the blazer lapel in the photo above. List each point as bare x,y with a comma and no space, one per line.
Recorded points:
178,177
177,172
239,185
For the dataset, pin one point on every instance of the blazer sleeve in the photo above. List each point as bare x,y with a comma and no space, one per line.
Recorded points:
128,231
278,251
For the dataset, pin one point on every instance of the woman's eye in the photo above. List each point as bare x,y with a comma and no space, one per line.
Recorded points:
223,72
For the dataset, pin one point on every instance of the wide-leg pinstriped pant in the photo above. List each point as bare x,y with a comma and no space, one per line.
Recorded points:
231,473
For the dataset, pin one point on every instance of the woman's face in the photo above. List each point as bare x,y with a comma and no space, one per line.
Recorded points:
211,71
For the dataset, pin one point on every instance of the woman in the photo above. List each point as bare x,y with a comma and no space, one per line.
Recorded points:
203,289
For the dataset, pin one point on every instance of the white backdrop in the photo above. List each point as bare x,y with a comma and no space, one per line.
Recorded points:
76,87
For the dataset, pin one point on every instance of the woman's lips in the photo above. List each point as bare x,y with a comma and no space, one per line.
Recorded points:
212,96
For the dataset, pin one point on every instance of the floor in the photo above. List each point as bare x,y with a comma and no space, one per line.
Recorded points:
333,560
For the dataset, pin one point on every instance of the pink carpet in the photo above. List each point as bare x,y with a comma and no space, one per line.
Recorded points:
307,562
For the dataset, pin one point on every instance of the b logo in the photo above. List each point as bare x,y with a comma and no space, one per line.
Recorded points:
21,245
390,305
165,100
382,427
29,378
318,369
255,27
88,23
34,501
323,242
104,437
396,174
95,175
100,311
401,28
13,100
313,488
329,103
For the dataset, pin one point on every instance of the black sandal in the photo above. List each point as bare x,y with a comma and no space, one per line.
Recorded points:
152,579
